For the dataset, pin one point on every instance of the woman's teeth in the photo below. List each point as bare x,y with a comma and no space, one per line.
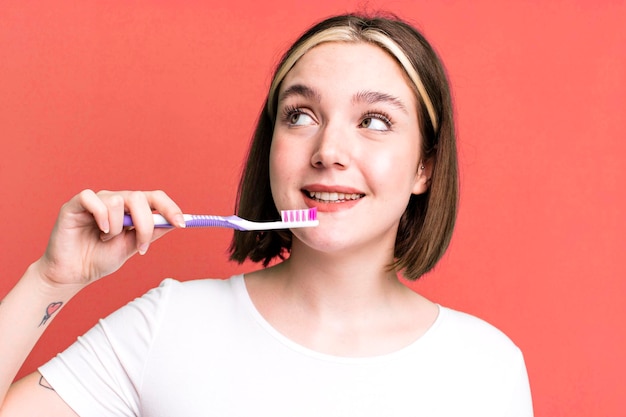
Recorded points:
333,197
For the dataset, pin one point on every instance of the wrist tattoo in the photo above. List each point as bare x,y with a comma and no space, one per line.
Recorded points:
50,310
44,383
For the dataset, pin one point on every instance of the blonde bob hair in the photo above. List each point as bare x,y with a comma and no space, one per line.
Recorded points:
426,226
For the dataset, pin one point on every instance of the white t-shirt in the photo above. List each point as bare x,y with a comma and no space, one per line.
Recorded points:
201,349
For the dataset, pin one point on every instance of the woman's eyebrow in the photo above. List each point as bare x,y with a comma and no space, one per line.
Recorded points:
300,90
373,97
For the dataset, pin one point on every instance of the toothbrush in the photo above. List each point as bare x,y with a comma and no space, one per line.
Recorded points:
290,219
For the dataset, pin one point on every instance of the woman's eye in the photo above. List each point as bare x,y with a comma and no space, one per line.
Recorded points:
379,123
298,118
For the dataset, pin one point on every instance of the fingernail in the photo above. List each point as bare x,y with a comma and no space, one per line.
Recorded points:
143,248
180,220
105,227
105,237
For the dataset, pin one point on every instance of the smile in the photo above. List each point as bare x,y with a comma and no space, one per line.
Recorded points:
330,197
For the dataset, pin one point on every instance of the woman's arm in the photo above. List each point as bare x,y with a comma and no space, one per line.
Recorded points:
88,242
24,315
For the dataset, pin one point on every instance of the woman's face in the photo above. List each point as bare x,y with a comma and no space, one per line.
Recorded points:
347,142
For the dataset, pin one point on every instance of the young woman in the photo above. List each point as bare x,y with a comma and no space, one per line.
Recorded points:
357,123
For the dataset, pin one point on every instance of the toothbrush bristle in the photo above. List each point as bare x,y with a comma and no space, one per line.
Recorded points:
294,216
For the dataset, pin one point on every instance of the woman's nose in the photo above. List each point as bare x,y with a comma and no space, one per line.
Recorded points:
331,149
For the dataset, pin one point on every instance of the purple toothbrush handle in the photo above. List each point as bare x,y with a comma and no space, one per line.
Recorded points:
209,221
195,221
128,222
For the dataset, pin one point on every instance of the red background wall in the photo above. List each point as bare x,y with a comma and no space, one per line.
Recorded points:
155,94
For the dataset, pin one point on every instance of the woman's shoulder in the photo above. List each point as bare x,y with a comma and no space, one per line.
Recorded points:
174,295
473,334
200,286
204,289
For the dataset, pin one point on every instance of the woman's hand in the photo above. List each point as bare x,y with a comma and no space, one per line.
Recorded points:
89,240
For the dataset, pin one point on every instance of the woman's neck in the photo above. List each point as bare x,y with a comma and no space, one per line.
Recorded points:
355,275
344,306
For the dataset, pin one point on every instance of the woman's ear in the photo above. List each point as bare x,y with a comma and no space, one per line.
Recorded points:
422,176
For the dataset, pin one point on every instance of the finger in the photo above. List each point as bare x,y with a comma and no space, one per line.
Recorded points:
165,206
140,210
115,204
88,202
